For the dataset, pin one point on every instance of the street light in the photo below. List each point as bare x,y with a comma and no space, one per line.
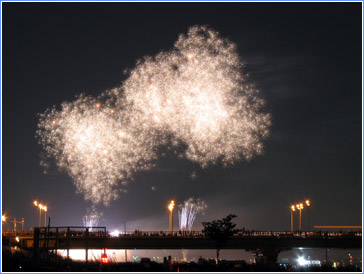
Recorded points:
3,218
300,207
308,204
40,214
45,215
292,210
44,208
171,207
35,204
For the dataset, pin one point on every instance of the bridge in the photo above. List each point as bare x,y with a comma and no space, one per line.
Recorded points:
266,244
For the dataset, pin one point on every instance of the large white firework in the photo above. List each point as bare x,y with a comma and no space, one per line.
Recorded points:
187,213
196,92
97,146
193,98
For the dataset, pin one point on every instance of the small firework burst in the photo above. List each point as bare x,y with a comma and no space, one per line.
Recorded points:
187,213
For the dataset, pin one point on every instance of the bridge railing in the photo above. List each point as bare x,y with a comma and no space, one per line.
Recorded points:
96,232
251,233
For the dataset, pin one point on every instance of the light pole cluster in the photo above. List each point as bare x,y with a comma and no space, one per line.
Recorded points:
41,207
299,206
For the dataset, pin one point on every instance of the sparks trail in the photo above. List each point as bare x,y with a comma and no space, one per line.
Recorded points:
188,211
91,219
193,96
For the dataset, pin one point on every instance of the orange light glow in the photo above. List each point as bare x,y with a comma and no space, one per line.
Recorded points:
171,206
299,206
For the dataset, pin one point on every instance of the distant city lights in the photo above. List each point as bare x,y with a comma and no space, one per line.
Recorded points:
305,263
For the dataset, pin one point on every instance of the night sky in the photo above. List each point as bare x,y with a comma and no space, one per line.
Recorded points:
305,58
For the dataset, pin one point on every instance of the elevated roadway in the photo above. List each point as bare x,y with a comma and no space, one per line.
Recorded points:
267,243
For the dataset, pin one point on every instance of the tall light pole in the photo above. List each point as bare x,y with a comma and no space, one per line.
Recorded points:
308,203
300,207
40,214
45,215
171,207
35,204
292,210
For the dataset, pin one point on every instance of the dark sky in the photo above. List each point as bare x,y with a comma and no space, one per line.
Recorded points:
305,58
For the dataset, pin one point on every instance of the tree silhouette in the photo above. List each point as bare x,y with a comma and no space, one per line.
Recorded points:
220,231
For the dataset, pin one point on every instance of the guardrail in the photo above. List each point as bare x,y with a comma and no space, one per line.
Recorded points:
80,232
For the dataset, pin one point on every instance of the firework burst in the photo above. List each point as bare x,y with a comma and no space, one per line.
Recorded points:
196,92
187,213
193,96
98,147
91,219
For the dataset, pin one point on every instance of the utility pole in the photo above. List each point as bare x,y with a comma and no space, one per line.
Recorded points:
18,222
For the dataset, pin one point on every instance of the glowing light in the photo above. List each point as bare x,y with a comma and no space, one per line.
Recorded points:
35,203
299,206
293,208
189,56
308,203
171,206
3,218
115,233
193,96
187,213
104,259
17,239
302,261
